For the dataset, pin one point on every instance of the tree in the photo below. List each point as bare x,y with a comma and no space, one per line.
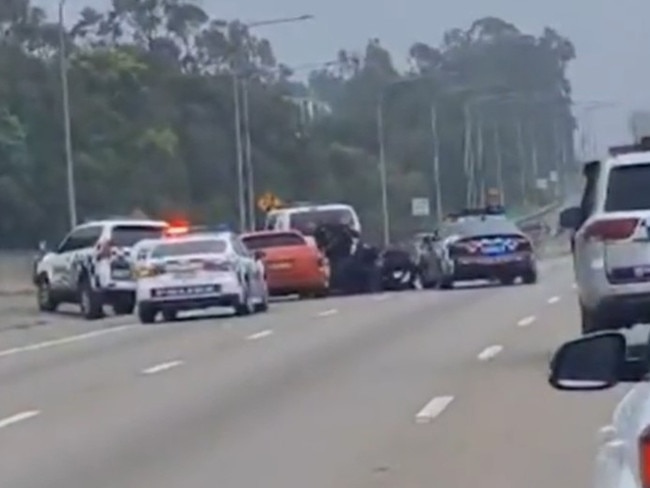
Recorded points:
152,117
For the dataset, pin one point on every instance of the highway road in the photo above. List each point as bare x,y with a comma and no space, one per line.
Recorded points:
409,390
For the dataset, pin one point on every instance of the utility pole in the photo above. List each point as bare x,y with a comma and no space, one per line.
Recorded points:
436,162
63,66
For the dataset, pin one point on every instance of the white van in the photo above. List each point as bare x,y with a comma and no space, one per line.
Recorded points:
305,218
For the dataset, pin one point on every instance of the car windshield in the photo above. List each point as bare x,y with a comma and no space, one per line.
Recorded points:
306,221
185,248
470,227
130,235
264,241
627,188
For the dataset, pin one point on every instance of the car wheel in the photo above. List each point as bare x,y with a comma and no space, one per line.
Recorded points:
44,296
507,280
445,283
146,314
124,306
90,301
530,277
594,321
170,315
245,306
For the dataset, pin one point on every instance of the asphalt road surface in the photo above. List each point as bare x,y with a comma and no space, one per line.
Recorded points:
405,390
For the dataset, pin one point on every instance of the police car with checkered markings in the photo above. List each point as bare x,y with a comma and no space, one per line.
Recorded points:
199,270
481,247
92,266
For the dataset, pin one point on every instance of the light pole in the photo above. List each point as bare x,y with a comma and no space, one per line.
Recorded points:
63,66
245,170
383,179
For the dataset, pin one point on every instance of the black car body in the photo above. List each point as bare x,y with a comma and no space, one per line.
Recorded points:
481,248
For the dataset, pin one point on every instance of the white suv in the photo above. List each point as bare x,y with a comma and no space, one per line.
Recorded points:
92,266
611,240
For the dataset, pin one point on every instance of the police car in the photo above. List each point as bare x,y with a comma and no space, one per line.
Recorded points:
92,266
197,271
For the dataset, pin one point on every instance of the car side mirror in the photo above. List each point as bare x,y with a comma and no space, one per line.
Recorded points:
592,362
570,218
259,255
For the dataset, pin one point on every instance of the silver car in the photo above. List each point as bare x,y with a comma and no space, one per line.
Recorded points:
611,240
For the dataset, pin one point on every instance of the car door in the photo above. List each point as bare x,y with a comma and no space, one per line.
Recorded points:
77,252
61,262
253,269
581,255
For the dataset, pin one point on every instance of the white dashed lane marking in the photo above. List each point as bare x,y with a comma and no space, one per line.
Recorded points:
526,321
65,340
159,368
433,409
260,335
19,417
553,300
490,352
328,313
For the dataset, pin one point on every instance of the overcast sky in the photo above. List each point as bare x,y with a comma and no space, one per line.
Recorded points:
611,37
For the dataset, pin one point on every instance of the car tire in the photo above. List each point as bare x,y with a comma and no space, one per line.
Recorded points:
147,314
90,301
594,321
170,315
445,283
245,306
508,280
124,306
44,296
530,277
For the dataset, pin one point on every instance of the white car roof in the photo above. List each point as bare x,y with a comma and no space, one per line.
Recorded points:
126,223
629,159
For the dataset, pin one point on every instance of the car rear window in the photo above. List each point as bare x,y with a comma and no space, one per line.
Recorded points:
130,235
627,188
308,220
273,240
186,248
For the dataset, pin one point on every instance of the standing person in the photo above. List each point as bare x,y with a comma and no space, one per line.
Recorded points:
494,205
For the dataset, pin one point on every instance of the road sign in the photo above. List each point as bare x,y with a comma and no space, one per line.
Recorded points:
420,207
268,202
542,184
553,176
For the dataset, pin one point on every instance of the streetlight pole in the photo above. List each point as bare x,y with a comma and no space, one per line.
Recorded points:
245,171
436,162
241,186
63,65
383,180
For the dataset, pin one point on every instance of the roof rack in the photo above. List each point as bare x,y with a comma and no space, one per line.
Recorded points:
642,145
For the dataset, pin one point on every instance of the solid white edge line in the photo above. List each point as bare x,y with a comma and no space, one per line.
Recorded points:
259,335
490,352
65,340
526,321
433,409
19,417
159,368
327,313
553,300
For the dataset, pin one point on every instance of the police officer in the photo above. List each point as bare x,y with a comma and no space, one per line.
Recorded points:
493,203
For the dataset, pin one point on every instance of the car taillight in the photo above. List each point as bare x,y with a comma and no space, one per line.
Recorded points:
644,457
524,245
611,229
104,249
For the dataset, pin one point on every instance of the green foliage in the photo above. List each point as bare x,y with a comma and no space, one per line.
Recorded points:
152,117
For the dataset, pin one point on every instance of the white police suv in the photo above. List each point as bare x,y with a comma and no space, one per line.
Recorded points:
198,271
92,266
